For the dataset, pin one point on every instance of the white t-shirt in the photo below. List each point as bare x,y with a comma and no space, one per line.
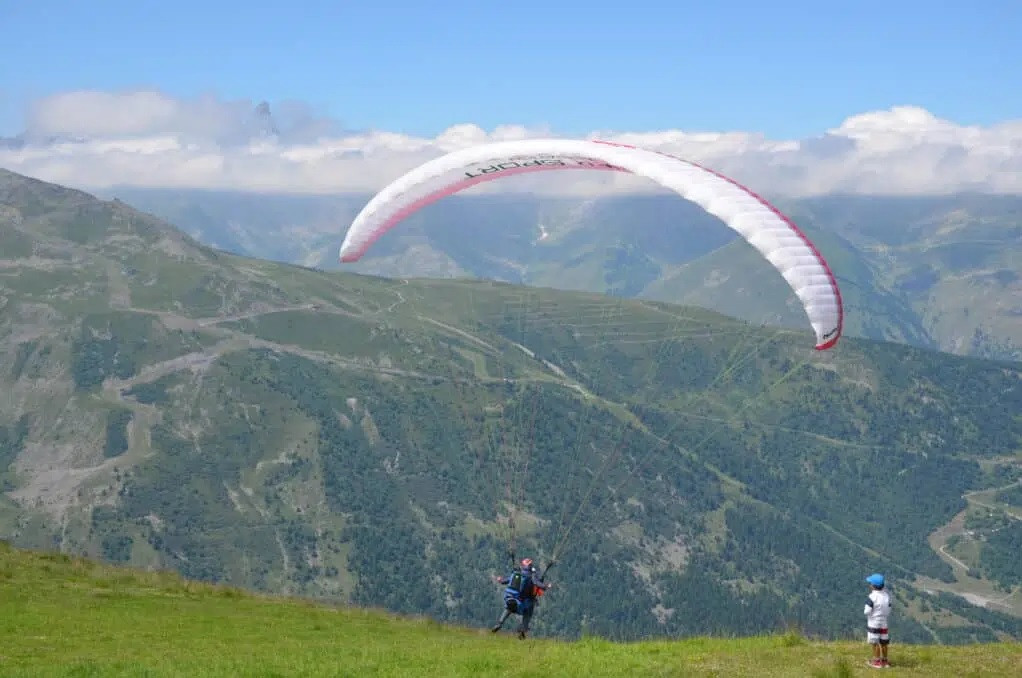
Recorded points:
877,610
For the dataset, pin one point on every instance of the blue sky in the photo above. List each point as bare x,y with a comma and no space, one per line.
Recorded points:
788,69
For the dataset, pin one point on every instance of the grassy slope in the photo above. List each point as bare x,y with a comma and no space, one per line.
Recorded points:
63,616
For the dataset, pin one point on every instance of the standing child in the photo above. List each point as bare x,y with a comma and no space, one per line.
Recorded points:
877,611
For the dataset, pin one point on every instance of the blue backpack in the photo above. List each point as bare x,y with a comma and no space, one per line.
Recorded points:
519,585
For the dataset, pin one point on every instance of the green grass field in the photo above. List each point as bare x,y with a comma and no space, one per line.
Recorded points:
63,616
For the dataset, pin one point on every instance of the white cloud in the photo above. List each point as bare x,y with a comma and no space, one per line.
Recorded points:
146,138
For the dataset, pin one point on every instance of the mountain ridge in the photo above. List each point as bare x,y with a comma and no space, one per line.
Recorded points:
336,434
641,246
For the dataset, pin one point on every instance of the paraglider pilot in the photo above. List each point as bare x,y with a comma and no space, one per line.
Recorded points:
522,588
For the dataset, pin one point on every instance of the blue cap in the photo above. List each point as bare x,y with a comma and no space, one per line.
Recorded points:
876,580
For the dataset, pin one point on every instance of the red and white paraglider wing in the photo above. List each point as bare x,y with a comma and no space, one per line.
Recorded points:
757,221
457,171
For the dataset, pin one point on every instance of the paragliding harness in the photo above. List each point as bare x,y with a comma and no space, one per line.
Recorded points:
520,595
521,591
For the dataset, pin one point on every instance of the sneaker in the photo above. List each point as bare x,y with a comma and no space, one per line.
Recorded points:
495,628
876,663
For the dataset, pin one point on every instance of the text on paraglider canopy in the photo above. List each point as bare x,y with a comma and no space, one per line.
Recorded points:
584,163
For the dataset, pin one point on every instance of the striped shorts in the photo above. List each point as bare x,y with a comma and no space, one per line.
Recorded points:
877,635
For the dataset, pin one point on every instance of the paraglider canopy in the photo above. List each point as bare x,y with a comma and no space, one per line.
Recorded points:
761,224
